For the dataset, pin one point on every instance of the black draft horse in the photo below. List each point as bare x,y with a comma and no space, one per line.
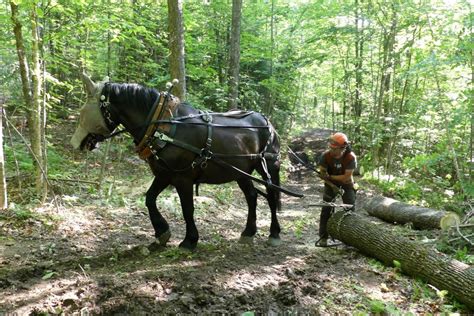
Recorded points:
250,144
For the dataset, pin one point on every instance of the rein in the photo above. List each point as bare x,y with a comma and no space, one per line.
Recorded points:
335,188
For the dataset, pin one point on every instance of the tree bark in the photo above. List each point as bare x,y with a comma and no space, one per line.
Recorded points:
234,63
359,46
394,211
416,260
20,50
35,118
220,49
176,46
31,94
3,183
269,93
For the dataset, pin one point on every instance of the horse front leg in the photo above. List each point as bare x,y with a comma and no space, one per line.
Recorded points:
162,229
250,193
185,192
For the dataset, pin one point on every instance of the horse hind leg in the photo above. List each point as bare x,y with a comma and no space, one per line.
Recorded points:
250,193
185,192
160,225
273,198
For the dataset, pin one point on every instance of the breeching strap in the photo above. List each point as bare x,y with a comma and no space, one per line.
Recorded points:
223,163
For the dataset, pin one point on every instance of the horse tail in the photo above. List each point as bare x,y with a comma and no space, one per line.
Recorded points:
275,174
273,163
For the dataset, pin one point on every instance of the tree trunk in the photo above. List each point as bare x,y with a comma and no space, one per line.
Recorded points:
416,260
35,120
234,62
359,45
394,211
20,49
176,46
31,96
220,49
269,94
3,183
333,102
386,73
471,103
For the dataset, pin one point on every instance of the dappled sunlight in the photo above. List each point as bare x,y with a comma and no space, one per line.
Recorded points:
102,259
47,292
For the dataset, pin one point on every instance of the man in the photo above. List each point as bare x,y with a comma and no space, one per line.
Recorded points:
336,165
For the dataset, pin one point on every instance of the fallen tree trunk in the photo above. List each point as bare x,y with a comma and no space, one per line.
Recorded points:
394,211
416,260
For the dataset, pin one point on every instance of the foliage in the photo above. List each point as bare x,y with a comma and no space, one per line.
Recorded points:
304,64
463,255
380,307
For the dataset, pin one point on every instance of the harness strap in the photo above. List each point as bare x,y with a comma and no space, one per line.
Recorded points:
150,118
263,161
104,106
166,106
179,121
141,147
206,152
231,114
265,183
176,142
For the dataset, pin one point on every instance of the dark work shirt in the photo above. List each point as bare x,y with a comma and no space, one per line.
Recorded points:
338,166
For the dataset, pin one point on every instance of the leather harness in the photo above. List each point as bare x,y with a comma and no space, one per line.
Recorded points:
160,132
167,104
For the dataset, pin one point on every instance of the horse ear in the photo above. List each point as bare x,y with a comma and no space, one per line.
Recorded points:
90,85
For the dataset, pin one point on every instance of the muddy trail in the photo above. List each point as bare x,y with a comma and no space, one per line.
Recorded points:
100,257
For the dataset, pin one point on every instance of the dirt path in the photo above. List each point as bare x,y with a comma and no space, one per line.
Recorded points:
101,259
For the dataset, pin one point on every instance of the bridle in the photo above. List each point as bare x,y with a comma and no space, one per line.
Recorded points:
104,106
92,139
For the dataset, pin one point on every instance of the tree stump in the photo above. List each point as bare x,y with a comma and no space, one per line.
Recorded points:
416,260
394,211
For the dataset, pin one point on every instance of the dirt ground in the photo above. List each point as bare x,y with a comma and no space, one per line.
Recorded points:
100,257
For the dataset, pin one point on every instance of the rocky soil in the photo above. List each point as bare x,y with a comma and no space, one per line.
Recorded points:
96,255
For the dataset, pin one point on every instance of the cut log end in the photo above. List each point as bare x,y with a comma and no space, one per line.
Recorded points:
449,220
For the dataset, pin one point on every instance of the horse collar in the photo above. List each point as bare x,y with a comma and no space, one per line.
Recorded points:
166,105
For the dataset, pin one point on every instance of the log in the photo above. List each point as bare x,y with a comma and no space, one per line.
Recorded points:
315,140
394,211
416,260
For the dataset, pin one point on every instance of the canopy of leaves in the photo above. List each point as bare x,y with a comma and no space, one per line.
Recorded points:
396,76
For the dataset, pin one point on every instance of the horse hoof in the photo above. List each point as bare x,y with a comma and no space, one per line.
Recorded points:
187,245
246,240
163,238
273,242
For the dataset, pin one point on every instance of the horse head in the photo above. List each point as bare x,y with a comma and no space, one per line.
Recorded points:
92,127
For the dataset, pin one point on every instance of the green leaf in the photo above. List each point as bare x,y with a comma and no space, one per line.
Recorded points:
377,306
397,264
48,275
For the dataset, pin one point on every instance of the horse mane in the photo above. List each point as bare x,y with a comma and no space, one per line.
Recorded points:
132,95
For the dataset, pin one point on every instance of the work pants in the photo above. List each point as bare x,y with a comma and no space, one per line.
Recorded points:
348,197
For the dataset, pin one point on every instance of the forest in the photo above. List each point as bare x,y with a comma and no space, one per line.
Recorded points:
75,235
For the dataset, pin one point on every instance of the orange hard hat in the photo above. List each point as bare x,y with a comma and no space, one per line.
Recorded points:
338,140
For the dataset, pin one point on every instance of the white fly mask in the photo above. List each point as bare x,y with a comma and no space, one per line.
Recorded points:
91,120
